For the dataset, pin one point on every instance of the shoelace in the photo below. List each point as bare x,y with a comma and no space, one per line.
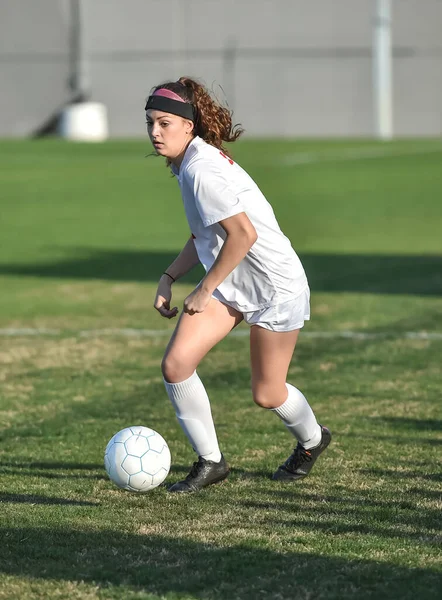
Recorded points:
195,469
299,456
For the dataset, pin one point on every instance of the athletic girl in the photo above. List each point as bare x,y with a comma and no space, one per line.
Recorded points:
252,274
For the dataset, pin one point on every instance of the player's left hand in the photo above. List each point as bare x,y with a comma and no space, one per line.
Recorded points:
197,301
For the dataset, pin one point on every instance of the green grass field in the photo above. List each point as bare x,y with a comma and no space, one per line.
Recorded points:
85,232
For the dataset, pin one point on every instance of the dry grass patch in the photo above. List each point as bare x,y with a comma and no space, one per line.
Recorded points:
19,588
44,353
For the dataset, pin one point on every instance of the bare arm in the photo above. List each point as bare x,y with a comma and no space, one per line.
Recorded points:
241,235
185,261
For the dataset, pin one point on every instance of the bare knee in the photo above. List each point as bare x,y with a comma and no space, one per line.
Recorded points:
176,370
269,396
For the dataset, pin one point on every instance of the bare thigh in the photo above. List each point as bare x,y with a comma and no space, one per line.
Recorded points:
194,336
270,355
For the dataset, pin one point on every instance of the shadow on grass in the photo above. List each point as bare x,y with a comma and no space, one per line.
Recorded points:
28,469
164,566
33,499
378,274
402,473
409,424
394,516
418,491
49,470
392,439
351,520
31,464
241,473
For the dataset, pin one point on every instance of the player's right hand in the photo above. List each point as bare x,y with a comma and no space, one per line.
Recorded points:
163,298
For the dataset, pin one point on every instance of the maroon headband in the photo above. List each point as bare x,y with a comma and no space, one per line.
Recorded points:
167,101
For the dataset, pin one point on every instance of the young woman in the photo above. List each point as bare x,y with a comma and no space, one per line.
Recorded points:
252,273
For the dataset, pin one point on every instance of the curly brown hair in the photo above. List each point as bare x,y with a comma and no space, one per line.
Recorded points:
213,121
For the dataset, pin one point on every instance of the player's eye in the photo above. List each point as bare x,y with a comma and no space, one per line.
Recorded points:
164,124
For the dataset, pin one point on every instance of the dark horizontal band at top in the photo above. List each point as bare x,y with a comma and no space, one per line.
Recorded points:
182,109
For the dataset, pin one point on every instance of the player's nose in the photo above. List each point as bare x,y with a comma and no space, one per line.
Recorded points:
155,131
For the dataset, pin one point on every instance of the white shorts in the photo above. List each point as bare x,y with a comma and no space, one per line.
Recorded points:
286,316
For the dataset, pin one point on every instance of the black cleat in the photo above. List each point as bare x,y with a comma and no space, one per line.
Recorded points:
203,473
301,461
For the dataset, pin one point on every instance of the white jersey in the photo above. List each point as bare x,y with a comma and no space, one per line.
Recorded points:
213,188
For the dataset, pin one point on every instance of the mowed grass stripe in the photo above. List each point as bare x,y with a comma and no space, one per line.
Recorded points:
241,332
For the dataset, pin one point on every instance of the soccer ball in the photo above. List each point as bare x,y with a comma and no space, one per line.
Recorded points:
137,459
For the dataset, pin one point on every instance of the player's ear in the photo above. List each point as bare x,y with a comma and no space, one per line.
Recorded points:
189,125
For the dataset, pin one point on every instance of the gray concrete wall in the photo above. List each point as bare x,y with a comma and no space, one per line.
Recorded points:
287,67
33,63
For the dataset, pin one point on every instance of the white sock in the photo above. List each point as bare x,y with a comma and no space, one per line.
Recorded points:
192,408
299,418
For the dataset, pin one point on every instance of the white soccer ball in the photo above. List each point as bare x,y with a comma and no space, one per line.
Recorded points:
137,459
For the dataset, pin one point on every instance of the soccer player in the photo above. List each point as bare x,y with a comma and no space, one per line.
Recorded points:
252,274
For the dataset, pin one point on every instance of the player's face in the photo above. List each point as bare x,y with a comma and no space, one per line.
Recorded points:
169,134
